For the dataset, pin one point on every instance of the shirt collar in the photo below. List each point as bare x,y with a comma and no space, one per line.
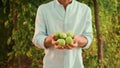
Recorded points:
56,1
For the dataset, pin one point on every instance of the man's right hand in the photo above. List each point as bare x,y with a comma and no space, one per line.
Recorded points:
50,42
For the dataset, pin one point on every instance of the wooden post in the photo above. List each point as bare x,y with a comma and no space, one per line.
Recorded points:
15,14
99,36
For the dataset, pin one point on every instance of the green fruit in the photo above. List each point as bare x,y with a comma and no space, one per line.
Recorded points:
69,34
69,40
61,42
56,38
57,33
63,35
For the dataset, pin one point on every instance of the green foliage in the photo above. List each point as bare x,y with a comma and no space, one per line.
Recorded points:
110,28
15,35
111,35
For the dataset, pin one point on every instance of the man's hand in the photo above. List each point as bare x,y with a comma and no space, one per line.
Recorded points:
50,42
71,46
79,41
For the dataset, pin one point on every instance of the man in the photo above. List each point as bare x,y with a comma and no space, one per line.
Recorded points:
63,15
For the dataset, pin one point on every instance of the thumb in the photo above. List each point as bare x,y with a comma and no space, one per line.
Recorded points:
54,42
53,35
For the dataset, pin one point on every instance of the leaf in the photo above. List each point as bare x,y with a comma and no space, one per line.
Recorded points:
9,40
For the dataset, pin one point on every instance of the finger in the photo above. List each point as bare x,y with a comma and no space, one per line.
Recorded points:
54,42
75,44
74,41
68,47
59,47
53,35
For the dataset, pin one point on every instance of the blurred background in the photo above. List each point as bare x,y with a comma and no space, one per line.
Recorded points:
17,19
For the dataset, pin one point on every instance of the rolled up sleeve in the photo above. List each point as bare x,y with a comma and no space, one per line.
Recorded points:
88,32
40,30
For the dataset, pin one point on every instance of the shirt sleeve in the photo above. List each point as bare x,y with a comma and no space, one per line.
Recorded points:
40,30
88,32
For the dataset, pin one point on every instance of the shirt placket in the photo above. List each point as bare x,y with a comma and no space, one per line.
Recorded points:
66,18
64,14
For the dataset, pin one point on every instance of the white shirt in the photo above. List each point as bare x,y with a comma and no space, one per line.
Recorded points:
52,17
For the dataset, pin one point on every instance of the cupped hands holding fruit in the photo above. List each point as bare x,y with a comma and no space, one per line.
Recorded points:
65,40
62,40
